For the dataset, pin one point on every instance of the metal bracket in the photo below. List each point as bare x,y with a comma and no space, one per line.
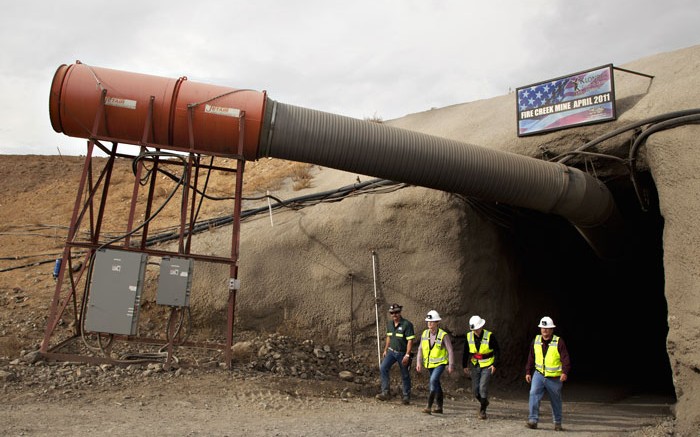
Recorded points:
234,284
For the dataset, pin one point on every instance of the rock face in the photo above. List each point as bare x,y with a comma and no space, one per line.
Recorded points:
312,275
673,158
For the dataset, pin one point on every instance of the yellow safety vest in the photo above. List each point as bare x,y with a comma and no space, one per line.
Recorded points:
437,355
483,356
549,365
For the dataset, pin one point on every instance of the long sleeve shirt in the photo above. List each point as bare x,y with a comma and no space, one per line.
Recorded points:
446,341
563,354
493,345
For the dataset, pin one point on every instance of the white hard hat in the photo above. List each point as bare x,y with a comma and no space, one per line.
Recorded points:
432,316
546,322
476,322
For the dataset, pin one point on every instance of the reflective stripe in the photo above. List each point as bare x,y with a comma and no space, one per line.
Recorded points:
549,365
484,356
437,355
400,334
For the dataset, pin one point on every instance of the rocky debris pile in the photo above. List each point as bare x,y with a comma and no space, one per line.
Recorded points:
275,355
284,356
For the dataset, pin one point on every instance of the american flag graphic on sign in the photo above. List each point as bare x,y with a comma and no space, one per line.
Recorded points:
582,98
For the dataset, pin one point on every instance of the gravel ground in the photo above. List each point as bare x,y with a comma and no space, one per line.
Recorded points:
281,387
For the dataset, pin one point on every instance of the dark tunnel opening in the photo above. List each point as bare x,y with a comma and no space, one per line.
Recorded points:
612,314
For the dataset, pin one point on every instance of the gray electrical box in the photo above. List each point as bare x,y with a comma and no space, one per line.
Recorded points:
175,282
115,292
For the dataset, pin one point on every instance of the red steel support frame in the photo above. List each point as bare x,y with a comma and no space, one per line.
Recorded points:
85,202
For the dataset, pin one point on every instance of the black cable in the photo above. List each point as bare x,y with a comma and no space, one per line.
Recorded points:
204,190
201,193
295,203
165,202
655,124
662,117
19,257
28,265
185,320
641,140
596,155
371,186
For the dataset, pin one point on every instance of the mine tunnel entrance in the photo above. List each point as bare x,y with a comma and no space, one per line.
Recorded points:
612,314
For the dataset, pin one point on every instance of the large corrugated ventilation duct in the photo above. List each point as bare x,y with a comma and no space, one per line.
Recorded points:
189,116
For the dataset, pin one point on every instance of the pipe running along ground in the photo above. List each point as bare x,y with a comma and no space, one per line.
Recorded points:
98,103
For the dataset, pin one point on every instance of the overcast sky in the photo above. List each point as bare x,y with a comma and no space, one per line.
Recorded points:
360,58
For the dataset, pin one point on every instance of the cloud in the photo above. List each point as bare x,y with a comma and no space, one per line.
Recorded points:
362,58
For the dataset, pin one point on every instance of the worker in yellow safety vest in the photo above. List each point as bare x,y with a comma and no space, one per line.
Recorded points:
480,359
435,354
547,369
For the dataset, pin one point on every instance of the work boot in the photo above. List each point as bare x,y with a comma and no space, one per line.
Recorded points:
406,399
438,403
383,396
482,411
557,427
429,408
531,425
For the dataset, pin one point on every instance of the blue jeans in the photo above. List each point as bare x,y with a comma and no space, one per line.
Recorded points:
539,385
435,374
480,381
388,361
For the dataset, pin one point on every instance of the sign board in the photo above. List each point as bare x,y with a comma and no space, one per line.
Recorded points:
578,99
